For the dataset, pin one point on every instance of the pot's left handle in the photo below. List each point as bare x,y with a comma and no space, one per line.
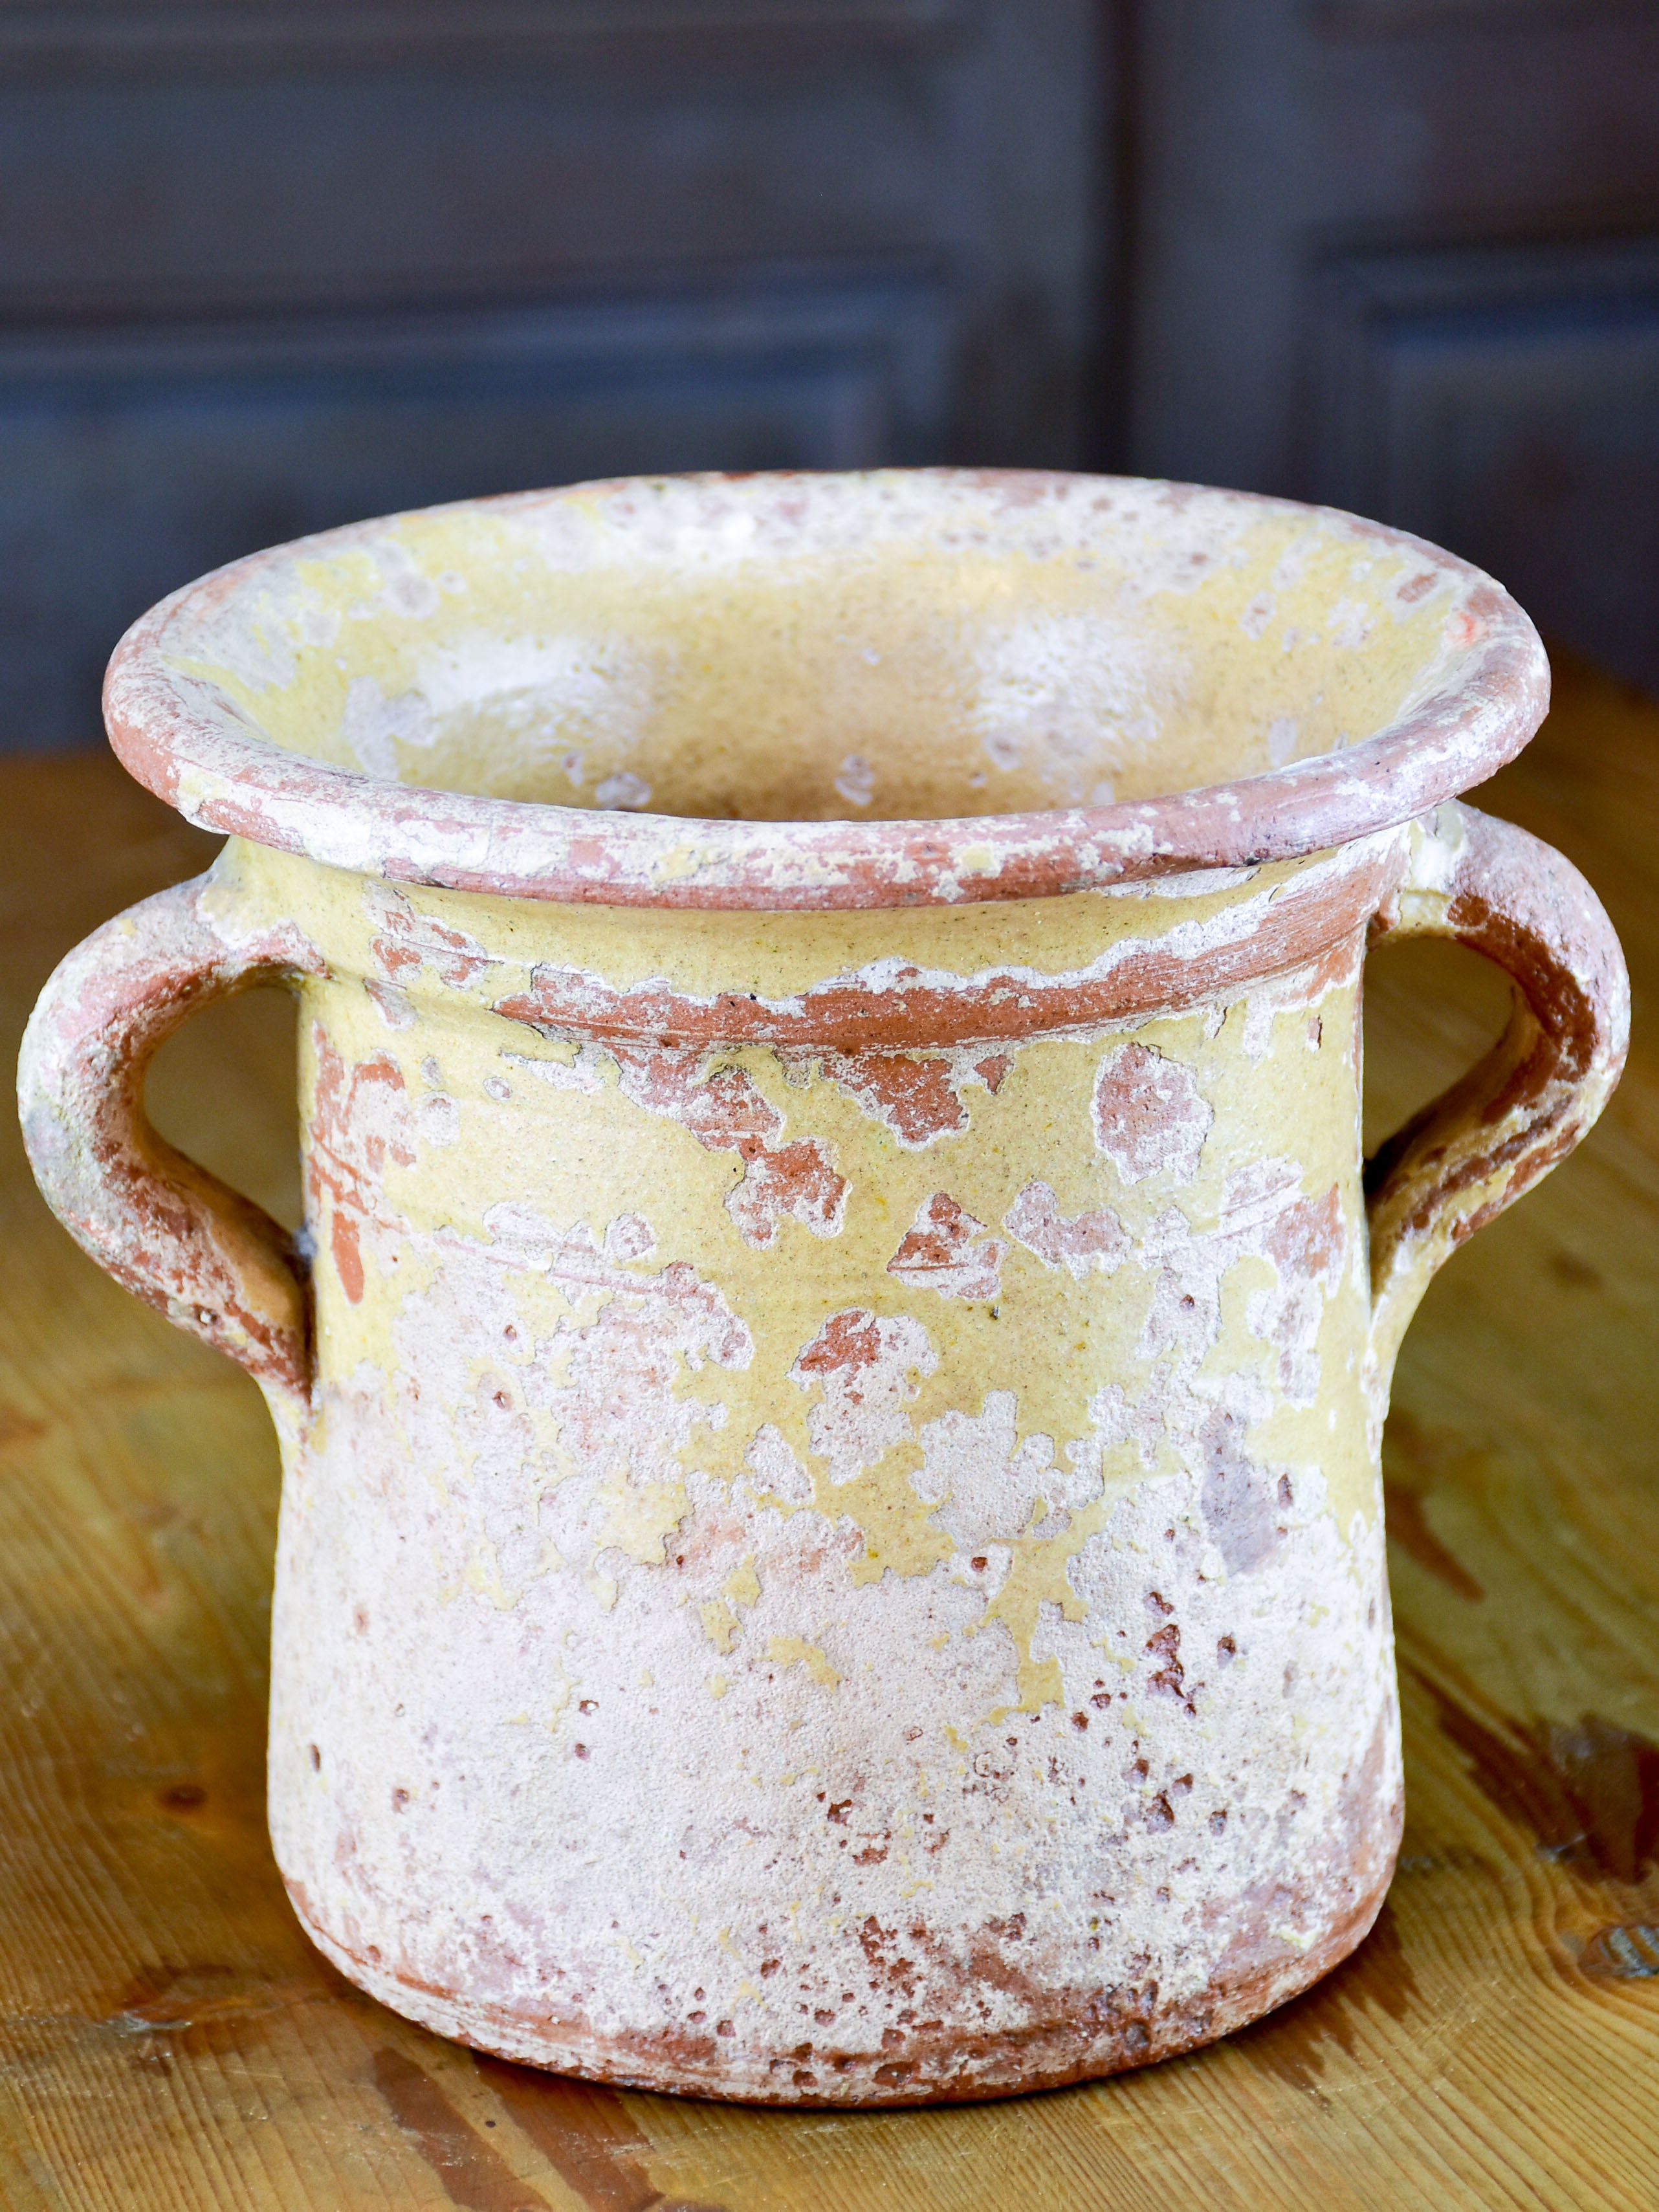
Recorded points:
210,1259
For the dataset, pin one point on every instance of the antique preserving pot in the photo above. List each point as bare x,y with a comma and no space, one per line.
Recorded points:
830,1385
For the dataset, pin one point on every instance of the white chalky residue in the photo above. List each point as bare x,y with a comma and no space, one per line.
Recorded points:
374,726
1259,613
1294,992
624,789
986,1483
855,1750
1088,1241
856,782
777,1473
440,1120
1292,563
1068,697
406,588
864,1372
586,1069
1350,624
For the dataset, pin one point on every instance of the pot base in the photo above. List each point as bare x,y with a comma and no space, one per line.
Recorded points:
954,2067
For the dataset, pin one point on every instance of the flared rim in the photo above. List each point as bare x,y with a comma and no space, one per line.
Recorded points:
189,743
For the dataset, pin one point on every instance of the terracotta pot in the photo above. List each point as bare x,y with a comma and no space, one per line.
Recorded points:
832,1546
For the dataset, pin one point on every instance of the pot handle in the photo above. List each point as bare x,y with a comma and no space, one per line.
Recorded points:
1473,1150
210,1259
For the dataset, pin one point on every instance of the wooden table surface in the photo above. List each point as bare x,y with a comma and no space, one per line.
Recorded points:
168,2039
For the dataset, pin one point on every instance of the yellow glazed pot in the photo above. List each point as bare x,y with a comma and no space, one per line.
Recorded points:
832,1546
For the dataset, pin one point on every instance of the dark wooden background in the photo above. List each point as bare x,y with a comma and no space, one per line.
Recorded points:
269,264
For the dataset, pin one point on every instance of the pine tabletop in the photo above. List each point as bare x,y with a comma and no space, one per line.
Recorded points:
169,2039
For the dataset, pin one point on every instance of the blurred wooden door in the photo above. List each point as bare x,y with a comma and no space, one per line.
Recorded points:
266,265
1403,255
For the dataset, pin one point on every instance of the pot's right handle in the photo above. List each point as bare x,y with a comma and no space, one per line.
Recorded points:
1473,1151
213,1261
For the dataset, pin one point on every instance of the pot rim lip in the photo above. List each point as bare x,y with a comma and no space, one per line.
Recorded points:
187,742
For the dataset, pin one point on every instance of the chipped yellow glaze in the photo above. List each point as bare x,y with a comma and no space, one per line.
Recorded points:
592,1360
492,1108
605,653
830,1546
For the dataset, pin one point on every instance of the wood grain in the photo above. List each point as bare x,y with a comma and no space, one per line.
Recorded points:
169,2040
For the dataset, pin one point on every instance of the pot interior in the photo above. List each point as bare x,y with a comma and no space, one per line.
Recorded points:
892,646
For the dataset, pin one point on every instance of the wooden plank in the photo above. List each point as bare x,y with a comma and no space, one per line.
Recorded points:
169,2040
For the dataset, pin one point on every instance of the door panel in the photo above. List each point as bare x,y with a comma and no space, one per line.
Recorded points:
1400,255
267,268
